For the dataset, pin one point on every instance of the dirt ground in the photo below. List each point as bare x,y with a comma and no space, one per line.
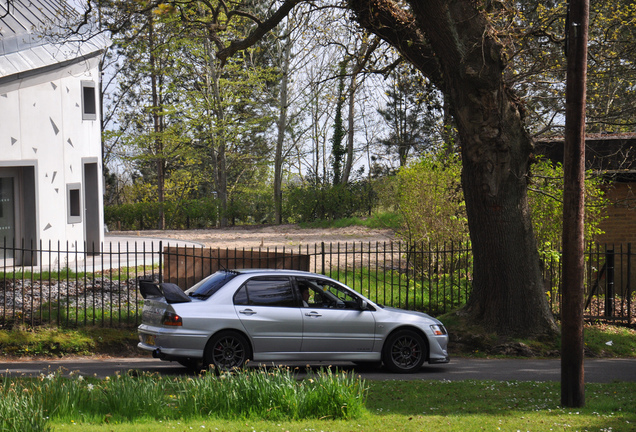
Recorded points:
289,236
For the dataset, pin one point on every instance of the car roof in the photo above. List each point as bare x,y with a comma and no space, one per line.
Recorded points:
266,271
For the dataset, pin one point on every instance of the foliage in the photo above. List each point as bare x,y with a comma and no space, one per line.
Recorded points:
196,213
377,220
187,127
21,411
430,198
321,201
612,67
535,32
411,114
251,204
546,202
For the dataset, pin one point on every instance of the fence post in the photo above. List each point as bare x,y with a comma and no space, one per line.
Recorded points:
629,283
322,253
160,261
609,294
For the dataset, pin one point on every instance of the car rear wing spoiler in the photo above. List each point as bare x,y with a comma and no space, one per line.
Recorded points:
171,292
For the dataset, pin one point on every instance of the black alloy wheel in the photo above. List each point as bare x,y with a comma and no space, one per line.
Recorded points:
404,351
227,351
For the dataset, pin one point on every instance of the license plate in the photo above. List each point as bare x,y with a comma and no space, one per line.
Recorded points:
149,339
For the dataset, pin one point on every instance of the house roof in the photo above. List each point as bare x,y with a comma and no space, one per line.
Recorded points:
611,155
32,38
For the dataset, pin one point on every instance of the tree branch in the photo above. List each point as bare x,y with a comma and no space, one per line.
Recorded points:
399,28
261,29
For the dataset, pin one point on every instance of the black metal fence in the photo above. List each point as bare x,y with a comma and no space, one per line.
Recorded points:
70,286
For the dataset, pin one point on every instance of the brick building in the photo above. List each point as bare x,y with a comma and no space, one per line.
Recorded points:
614,158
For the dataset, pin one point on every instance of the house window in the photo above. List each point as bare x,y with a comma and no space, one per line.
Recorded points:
89,101
74,203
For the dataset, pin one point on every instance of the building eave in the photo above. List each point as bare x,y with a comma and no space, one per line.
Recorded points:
28,73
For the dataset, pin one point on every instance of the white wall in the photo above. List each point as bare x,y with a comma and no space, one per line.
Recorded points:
41,120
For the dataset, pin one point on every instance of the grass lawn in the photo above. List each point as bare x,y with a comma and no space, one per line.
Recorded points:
464,406
438,406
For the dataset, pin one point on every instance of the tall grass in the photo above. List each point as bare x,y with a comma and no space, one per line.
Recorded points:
266,393
272,394
20,410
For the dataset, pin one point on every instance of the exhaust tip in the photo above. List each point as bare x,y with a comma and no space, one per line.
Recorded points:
156,353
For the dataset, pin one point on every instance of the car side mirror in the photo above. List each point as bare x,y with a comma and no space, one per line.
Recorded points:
362,304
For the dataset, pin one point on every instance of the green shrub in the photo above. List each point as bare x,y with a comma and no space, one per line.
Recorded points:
314,202
197,213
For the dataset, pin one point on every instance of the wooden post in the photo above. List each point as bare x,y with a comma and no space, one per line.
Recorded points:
572,371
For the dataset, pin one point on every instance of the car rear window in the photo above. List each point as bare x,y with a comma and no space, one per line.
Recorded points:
207,287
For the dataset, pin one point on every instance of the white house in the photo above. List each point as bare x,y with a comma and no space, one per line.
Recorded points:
50,136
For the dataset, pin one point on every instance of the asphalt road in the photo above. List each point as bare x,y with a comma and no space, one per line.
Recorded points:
596,370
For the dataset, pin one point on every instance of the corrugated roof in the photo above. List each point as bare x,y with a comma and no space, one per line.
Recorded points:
30,37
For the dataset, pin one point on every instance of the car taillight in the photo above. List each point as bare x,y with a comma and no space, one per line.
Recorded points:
171,319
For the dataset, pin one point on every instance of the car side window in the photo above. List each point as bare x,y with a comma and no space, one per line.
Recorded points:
326,294
266,292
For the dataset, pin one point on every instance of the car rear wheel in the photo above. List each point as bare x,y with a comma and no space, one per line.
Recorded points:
404,352
227,351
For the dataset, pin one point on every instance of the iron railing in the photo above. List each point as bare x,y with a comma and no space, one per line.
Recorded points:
79,286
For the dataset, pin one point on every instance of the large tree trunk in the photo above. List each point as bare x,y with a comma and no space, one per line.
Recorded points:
508,292
459,52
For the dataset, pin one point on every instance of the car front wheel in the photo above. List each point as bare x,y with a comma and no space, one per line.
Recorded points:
404,352
227,351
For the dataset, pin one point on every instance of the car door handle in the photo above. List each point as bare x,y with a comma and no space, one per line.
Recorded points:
313,314
247,312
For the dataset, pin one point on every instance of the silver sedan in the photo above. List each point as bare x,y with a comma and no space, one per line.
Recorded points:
234,316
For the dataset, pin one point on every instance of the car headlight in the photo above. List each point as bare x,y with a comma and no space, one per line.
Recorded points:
438,329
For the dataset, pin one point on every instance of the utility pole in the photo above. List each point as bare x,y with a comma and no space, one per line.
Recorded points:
572,345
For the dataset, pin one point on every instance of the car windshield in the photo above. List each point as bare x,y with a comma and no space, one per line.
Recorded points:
211,284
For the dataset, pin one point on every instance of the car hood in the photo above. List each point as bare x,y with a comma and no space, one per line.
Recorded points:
411,313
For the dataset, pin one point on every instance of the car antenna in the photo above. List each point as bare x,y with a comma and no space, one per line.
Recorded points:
221,266
225,269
